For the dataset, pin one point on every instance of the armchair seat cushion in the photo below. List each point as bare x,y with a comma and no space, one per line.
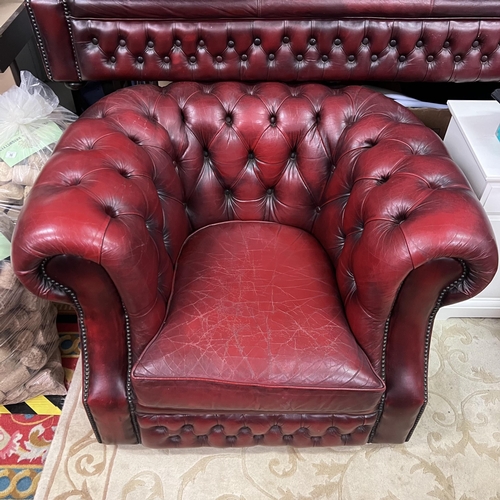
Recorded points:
255,323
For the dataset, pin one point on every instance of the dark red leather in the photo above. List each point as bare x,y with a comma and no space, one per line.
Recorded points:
250,9
234,430
295,40
145,167
255,324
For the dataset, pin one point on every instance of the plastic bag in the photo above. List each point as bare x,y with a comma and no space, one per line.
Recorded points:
31,123
30,361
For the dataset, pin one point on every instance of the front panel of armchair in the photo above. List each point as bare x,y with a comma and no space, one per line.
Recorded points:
105,340
407,348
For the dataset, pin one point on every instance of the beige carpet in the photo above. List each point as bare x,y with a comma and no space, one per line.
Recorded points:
454,453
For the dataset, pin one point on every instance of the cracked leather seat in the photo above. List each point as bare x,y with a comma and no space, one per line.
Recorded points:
266,260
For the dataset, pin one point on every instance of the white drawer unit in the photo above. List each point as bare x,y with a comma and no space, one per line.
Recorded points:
472,144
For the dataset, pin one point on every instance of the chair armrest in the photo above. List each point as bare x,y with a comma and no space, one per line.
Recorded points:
101,228
394,202
406,234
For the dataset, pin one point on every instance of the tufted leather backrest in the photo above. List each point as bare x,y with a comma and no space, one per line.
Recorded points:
294,40
251,152
308,156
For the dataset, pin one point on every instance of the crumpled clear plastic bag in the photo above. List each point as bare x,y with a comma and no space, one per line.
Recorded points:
31,123
30,361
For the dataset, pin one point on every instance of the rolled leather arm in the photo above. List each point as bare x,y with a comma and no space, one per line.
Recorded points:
92,233
406,235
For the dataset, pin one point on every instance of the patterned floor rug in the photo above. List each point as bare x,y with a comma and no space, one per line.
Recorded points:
453,455
27,429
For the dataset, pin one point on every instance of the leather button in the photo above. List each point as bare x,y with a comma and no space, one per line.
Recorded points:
244,57
178,43
458,58
430,58
227,192
318,210
293,155
192,59
475,44
201,43
374,57
484,58
205,153
257,41
111,212
324,58
446,44
402,58
230,43
229,120
365,41
312,41
166,59
218,58
299,57
286,39
140,59
251,156
272,119
122,43
151,44
393,43
95,41
112,59
271,57
337,41
351,58
270,191
420,43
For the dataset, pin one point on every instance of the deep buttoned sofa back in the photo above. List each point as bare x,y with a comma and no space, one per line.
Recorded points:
256,40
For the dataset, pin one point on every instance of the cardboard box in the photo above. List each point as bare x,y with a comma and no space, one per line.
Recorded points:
436,119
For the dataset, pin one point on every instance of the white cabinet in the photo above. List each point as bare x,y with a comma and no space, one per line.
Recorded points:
471,142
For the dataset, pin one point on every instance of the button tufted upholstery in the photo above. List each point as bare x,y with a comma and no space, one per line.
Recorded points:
162,431
275,253
296,40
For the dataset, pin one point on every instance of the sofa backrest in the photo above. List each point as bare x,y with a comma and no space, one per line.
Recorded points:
273,40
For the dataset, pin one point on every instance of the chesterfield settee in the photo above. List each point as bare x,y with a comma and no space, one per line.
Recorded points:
256,260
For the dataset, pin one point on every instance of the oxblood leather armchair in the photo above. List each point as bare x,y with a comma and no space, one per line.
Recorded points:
265,260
